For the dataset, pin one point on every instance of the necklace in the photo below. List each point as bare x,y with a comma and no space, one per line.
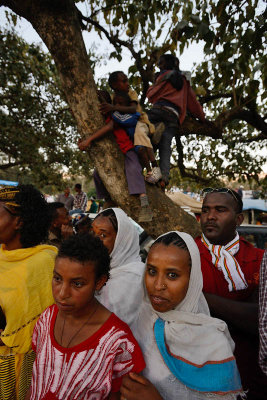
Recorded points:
79,330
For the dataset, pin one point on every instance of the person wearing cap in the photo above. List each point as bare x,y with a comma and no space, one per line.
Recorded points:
94,206
230,267
26,269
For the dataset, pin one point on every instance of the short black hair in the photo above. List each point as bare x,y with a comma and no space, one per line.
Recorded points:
53,208
34,215
85,247
123,95
173,239
103,95
113,77
110,214
84,222
78,186
172,62
237,199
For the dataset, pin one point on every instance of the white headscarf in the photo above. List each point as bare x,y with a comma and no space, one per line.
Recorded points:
123,292
190,333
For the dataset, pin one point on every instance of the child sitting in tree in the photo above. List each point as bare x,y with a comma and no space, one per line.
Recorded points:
133,168
129,123
118,81
82,349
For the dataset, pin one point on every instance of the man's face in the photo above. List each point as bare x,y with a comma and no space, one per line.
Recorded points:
63,218
67,191
219,218
122,84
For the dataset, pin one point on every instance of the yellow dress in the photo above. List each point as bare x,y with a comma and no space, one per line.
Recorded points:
25,292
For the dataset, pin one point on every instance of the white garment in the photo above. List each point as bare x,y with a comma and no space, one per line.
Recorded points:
123,292
190,333
223,259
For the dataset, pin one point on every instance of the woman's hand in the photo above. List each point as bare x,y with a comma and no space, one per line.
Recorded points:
136,387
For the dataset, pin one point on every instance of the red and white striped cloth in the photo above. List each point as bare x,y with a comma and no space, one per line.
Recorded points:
88,371
223,259
263,314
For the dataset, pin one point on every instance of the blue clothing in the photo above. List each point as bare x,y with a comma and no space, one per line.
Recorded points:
127,122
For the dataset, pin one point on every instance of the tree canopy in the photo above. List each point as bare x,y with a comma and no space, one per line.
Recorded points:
37,128
236,123
229,82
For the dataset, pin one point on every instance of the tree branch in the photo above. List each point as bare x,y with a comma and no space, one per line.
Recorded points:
251,117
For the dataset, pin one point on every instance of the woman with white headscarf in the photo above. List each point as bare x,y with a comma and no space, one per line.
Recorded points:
123,292
188,354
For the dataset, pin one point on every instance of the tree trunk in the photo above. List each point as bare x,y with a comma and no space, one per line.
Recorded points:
57,24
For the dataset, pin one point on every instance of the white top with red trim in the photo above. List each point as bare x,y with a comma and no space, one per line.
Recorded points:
90,370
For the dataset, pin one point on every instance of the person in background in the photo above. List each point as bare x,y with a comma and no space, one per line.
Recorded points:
82,349
94,207
123,292
230,267
171,96
26,269
188,354
84,225
61,225
66,198
80,200
263,314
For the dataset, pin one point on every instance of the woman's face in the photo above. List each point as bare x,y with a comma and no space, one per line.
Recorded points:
9,225
103,228
167,276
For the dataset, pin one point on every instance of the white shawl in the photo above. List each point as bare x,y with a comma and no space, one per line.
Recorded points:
123,292
190,333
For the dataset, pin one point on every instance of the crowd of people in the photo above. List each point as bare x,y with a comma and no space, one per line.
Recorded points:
82,317
182,326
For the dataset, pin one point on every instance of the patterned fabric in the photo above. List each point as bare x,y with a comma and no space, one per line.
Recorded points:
263,314
80,201
25,291
89,370
8,195
223,259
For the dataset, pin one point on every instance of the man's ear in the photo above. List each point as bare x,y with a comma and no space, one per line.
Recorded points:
101,282
239,219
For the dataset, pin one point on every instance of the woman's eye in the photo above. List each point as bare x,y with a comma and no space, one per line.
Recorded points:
172,275
56,278
151,271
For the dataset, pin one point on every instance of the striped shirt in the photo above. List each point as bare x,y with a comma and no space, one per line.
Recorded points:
80,201
89,370
263,314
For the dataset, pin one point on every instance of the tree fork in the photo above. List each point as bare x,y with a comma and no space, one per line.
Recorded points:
57,23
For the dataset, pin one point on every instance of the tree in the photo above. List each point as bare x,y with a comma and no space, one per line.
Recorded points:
229,82
57,23
37,129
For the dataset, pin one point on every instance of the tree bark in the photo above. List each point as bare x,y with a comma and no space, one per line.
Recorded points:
58,25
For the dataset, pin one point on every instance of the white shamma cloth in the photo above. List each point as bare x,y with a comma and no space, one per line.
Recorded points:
188,354
123,292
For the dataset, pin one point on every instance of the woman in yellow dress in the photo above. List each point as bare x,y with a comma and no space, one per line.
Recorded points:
26,268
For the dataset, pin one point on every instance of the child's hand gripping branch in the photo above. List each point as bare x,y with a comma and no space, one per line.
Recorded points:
84,144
